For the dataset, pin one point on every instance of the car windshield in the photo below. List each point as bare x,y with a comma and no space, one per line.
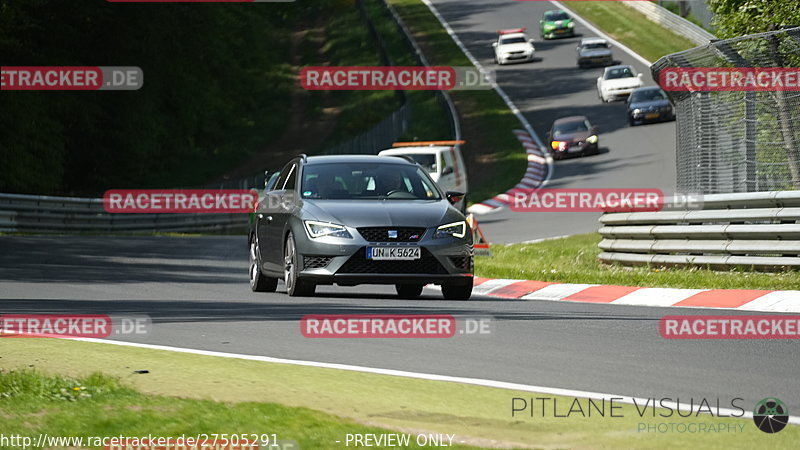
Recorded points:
621,72
647,95
367,181
595,45
513,40
426,160
568,128
556,15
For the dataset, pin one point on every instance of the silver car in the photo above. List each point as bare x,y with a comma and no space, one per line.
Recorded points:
355,219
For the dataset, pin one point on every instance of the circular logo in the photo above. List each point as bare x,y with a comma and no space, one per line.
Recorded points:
771,415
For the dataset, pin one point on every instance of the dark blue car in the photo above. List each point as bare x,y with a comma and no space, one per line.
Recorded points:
649,104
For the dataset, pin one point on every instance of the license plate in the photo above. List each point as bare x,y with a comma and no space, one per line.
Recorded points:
574,148
393,253
651,116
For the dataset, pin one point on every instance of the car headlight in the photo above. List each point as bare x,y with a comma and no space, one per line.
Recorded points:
592,139
637,111
455,229
319,229
571,25
548,26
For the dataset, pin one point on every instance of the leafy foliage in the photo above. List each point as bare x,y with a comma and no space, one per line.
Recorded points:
741,17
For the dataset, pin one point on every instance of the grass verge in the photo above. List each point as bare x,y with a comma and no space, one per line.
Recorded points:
494,157
631,28
574,260
185,393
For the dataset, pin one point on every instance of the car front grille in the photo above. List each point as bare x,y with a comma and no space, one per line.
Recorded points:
358,263
381,234
316,262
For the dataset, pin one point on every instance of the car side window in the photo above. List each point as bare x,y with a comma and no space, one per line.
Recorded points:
446,161
282,178
291,180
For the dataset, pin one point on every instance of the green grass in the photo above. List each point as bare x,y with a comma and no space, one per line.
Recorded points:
185,393
494,157
631,28
574,260
99,405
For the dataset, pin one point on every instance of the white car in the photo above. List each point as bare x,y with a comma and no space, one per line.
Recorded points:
513,46
617,82
441,159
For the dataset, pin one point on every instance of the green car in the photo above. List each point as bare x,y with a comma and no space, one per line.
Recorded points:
556,23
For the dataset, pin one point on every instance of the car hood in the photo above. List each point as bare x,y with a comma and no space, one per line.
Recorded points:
382,213
573,137
649,104
519,47
623,82
595,52
557,23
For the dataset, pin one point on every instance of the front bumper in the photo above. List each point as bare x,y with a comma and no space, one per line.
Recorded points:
559,32
595,61
341,261
661,115
619,94
512,58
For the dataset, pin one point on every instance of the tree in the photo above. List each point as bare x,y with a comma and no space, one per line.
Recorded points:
740,17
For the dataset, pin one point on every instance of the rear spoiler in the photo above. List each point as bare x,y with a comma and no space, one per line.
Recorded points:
425,143
512,30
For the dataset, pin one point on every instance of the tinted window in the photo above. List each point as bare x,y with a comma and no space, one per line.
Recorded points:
428,162
596,45
648,95
367,181
558,15
564,129
291,182
514,40
622,72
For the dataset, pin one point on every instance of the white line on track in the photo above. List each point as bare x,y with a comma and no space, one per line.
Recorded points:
417,375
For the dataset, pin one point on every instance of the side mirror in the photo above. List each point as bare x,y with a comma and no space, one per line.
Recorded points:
266,179
494,44
595,129
447,170
530,41
454,197
639,76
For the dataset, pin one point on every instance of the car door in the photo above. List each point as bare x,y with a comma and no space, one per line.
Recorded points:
268,229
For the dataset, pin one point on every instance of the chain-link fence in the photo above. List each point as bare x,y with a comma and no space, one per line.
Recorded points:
738,141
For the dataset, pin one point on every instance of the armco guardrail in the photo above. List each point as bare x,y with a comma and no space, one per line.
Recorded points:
674,22
759,230
23,213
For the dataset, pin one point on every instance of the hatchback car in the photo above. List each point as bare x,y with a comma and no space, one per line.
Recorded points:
594,52
352,219
556,23
573,136
649,104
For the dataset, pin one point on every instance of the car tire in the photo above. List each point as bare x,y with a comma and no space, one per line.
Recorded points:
408,291
457,291
295,287
259,282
